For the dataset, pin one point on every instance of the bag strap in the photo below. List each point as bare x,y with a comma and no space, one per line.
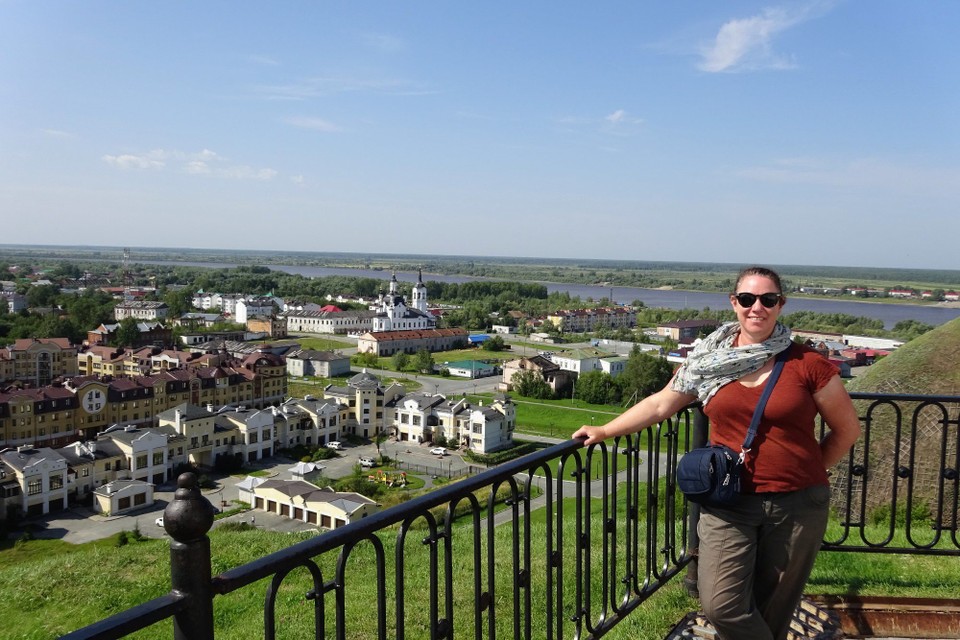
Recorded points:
758,412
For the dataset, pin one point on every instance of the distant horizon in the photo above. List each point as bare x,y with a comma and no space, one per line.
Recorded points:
734,266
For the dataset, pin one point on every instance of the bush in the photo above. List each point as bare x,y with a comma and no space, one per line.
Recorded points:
499,457
880,516
122,538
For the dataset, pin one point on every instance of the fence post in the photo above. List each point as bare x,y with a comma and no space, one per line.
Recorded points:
701,428
187,519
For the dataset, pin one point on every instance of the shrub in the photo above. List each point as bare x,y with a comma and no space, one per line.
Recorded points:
122,538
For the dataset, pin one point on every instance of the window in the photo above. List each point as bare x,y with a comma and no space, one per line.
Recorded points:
56,482
141,462
140,498
85,472
157,458
34,487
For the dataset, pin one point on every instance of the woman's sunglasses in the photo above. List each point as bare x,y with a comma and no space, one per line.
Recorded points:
769,300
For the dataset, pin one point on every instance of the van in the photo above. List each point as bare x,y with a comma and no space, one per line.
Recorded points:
366,463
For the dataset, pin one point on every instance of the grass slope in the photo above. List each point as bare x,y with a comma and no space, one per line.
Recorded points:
928,364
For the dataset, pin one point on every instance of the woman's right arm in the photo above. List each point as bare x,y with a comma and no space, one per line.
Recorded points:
651,410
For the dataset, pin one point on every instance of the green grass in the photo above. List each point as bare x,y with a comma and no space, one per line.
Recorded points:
48,588
560,418
324,344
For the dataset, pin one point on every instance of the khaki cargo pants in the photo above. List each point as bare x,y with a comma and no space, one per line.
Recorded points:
755,558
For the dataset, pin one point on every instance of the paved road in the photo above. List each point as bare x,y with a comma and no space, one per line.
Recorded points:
81,524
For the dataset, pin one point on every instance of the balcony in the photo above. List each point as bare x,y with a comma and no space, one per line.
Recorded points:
586,539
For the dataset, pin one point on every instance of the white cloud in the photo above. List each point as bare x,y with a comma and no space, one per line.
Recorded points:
621,117
314,124
747,43
297,179
201,163
152,160
56,133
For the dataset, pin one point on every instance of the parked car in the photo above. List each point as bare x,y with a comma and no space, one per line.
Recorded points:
334,445
366,462
159,521
438,451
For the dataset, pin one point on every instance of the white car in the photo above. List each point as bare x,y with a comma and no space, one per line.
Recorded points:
159,521
366,462
334,445
438,451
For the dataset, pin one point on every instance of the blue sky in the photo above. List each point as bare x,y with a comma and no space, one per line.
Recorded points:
781,133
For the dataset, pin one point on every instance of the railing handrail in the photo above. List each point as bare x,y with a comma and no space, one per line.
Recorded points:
193,594
296,554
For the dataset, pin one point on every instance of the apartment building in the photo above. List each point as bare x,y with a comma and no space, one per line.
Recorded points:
584,320
38,361
83,406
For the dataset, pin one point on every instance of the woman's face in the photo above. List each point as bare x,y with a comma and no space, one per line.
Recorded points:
756,321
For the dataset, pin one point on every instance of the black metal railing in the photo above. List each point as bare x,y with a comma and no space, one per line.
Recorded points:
441,566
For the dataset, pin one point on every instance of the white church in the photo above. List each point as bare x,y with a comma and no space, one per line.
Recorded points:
393,314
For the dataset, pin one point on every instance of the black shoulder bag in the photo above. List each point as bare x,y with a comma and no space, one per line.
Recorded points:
711,475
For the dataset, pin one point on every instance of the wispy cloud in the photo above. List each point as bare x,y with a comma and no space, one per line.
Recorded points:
746,44
618,122
322,86
383,42
201,163
314,124
267,61
57,133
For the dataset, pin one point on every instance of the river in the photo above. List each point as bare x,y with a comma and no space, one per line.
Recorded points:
890,314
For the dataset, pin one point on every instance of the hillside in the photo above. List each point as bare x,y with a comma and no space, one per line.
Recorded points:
929,365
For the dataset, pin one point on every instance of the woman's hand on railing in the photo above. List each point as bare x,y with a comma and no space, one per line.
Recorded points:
592,434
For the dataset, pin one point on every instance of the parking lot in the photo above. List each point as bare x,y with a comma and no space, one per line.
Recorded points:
81,524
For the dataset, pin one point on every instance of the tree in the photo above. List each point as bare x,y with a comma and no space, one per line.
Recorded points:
531,384
423,361
178,302
643,374
494,344
400,360
379,437
597,387
365,359
128,333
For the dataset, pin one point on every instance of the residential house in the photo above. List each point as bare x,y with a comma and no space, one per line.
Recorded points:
362,403
141,310
303,501
556,378
307,422
122,496
323,364
41,477
580,360
470,369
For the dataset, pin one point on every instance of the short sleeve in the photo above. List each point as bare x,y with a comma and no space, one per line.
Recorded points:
818,370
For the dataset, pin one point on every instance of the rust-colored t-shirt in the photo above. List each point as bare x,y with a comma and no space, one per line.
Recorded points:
785,455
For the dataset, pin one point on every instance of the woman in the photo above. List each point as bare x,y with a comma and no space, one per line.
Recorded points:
755,557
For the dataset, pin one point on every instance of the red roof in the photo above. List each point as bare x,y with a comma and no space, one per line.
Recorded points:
330,307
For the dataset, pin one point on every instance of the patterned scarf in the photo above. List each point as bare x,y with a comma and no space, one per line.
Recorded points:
715,362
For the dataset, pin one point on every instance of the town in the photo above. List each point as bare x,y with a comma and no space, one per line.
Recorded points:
105,422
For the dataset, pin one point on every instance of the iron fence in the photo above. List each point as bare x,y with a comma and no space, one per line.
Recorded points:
611,531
